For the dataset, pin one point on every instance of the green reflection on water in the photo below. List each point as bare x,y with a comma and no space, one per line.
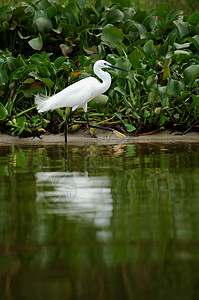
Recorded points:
115,222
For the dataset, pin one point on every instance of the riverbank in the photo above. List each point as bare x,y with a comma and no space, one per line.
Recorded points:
83,137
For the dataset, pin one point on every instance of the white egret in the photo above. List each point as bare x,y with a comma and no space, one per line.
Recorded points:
79,94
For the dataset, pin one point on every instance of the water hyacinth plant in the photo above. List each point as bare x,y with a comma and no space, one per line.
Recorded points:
47,45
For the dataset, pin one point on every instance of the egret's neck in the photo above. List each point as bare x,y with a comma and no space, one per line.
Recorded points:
105,77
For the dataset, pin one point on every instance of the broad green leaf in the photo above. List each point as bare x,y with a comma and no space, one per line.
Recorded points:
90,50
152,96
59,61
101,50
163,91
21,121
195,102
182,46
3,112
9,106
66,50
129,127
141,28
23,37
178,52
135,58
118,115
150,80
3,11
60,113
121,90
194,40
163,119
43,24
193,19
173,88
36,43
3,77
10,63
191,73
73,8
48,82
112,35
18,62
44,71
124,3
146,113
166,69
114,16
181,56
162,10
98,101
51,68
51,12
148,48
183,27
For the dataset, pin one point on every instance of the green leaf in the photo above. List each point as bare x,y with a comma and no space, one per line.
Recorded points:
4,10
59,61
44,71
173,87
114,16
121,90
36,43
135,57
195,102
183,27
191,73
118,115
182,46
23,37
98,101
21,121
3,77
60,113
166,69
9,106
3,112
112,35
194,40
141,28
43,24
148,48
193,19
73,8
48,82
181,56
150,80
129,127
125,3
153,96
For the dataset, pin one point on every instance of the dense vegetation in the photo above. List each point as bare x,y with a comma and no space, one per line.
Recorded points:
47,45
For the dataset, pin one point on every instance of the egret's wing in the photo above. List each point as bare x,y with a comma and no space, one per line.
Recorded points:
75,95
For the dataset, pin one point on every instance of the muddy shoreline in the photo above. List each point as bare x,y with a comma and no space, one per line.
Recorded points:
83,138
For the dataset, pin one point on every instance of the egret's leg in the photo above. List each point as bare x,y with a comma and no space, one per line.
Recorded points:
95,126
188,129
66,131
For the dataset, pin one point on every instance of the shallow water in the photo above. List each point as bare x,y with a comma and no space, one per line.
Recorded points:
115,222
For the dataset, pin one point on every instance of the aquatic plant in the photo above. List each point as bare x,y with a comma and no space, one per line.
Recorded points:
47,45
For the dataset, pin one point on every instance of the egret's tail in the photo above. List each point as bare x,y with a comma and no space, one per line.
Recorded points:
43,103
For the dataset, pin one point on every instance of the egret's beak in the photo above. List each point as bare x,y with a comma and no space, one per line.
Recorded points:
114,67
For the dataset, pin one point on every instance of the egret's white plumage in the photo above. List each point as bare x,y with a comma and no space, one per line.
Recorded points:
79,93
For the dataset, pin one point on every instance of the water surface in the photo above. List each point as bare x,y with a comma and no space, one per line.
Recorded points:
114,222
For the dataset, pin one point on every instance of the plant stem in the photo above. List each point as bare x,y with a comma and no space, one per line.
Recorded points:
25,111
